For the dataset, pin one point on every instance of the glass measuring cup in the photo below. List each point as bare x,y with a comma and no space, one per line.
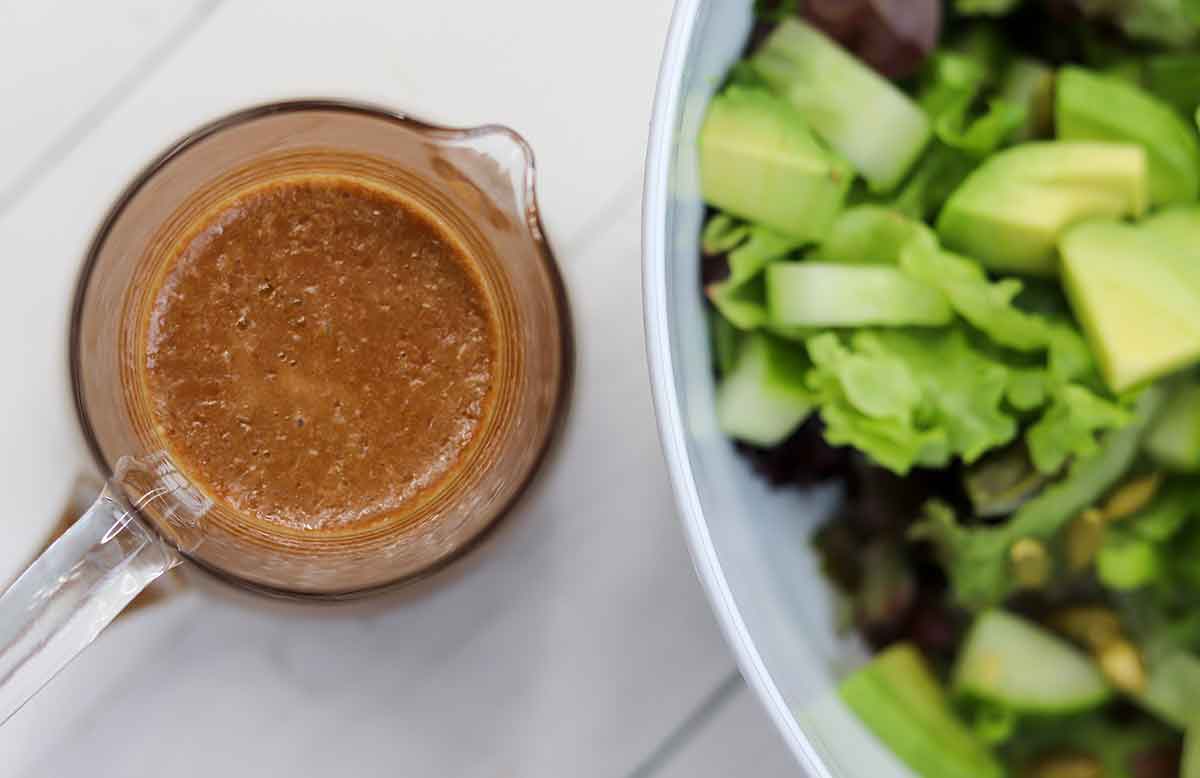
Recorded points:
479,183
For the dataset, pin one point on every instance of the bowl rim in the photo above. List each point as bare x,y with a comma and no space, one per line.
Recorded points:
668,105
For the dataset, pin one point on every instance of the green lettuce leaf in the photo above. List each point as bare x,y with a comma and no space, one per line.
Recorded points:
741,298
871,401
1027,388
987,305
1076,406
1075,414
960,145
872,235
951,79
976,558
723,233
1070,357
910,397
1053,375
742,305
963,388
984,134
1070,425
949,88
751,248
935,177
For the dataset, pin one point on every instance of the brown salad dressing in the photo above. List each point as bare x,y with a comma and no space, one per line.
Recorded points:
319,353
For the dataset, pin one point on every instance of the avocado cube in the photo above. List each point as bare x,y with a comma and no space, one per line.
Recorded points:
760,161
1136,291
1010,212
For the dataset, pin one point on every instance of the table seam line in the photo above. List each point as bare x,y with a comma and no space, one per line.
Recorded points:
686,731
605,217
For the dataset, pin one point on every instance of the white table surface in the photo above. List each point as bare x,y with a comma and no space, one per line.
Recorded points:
576,641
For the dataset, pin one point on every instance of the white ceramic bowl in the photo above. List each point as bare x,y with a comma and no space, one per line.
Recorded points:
750,545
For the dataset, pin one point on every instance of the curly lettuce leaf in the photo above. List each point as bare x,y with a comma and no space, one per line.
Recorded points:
742,305
750,247
987,305
741,298
948,91
1070,357
872,235
723,233
910,397
982,135
1070,425
871,400
1027,388
951,79
1067,361
963,388
976,558
1077,408
960,144
934,178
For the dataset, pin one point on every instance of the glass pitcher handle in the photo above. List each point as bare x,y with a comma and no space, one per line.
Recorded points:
83,580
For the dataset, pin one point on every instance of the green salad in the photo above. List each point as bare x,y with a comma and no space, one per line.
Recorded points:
953,262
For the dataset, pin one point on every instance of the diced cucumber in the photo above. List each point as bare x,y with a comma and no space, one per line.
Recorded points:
1091,106
820,294
760,161
764,398
897,697
1009,661
862,115
1174,439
